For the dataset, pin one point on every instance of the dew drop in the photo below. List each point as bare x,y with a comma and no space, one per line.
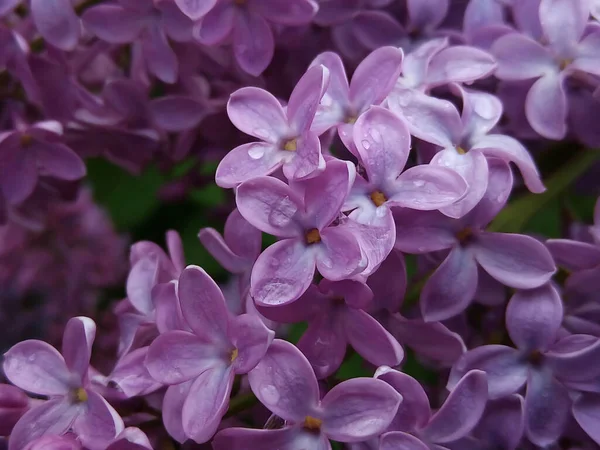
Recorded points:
419,183
256,152
269,393
366,144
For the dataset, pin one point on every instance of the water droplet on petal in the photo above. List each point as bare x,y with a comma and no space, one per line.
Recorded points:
256,152
419,183
366,144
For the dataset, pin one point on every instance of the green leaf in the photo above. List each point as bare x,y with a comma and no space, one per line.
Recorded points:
130,199
517,214
353,367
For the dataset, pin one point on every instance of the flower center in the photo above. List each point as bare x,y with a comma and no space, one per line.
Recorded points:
464,235
564,63
234,355
26,140
461,151
291,145
378,198
535,358
313,236
351,120
79,395
312,423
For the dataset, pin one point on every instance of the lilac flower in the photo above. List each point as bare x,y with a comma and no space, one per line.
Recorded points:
195,9
148,24
286,136
66,442
569,51
30,152
199,366
372,81
543,361
13,404
284,382
237,249
336,317
465,141
515,260
73,403
246,23
57,22
414,427
301,215
383,143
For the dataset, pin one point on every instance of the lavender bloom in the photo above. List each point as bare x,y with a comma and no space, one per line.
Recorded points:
302,215
148,24
569,50
30,152
383,143
199,366
57,22
73,403
414,427
515,260
246,23
287,139
343,103
543,361
284,382
336,317
465,141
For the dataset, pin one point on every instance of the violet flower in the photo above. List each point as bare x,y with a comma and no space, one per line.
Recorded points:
147,23
336,316
57,22
13,404
382,141
465,140
569,51
284,382
415,428
246,23
287,139
200,366
30,152
547,364
514,260
301,215
72,403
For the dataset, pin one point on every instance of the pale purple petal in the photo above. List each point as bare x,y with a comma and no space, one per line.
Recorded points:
257,113
414,412
168,310
333,107
243,238
178,356
214,243
588,54
547,408
549,122
160,58
37,367
505,370
426,14
282,273
482,13
251,338
216,26
58,160
99,424
307,161
132,377
172,409
459,64
253,43
207,402
359,409
176,113
563,23
57,22
383,144
246,162
575,358
515,260
305,98
521,58
339,256
285,382
77,343
533,318
203,304
586,410
195,9
375,77
271,206
423,231
287,438
142,277
461,411
451,288
397,440
53,417
287,12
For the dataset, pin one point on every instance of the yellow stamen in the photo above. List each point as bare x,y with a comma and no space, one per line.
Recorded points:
79,395
26,140
313,236
378,198
312,423
461,151
351,120
234,354
464,234
291,145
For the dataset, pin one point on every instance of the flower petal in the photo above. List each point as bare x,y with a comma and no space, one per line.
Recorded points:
57,22
586,411
131,375
253,43
142,277
461,411
451,288
78,339
459,64
287,12
359,409
37,367
175,113
574,255
172,410
287,438
401,441
420,232
515,260
99,424
305,98
307,161
216,26
251,338
195,9
246,162
203,304
520,57
549,122
113,23
159,56
285,382
563,23
339,256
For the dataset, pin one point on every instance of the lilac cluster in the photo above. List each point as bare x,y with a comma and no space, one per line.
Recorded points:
375,298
